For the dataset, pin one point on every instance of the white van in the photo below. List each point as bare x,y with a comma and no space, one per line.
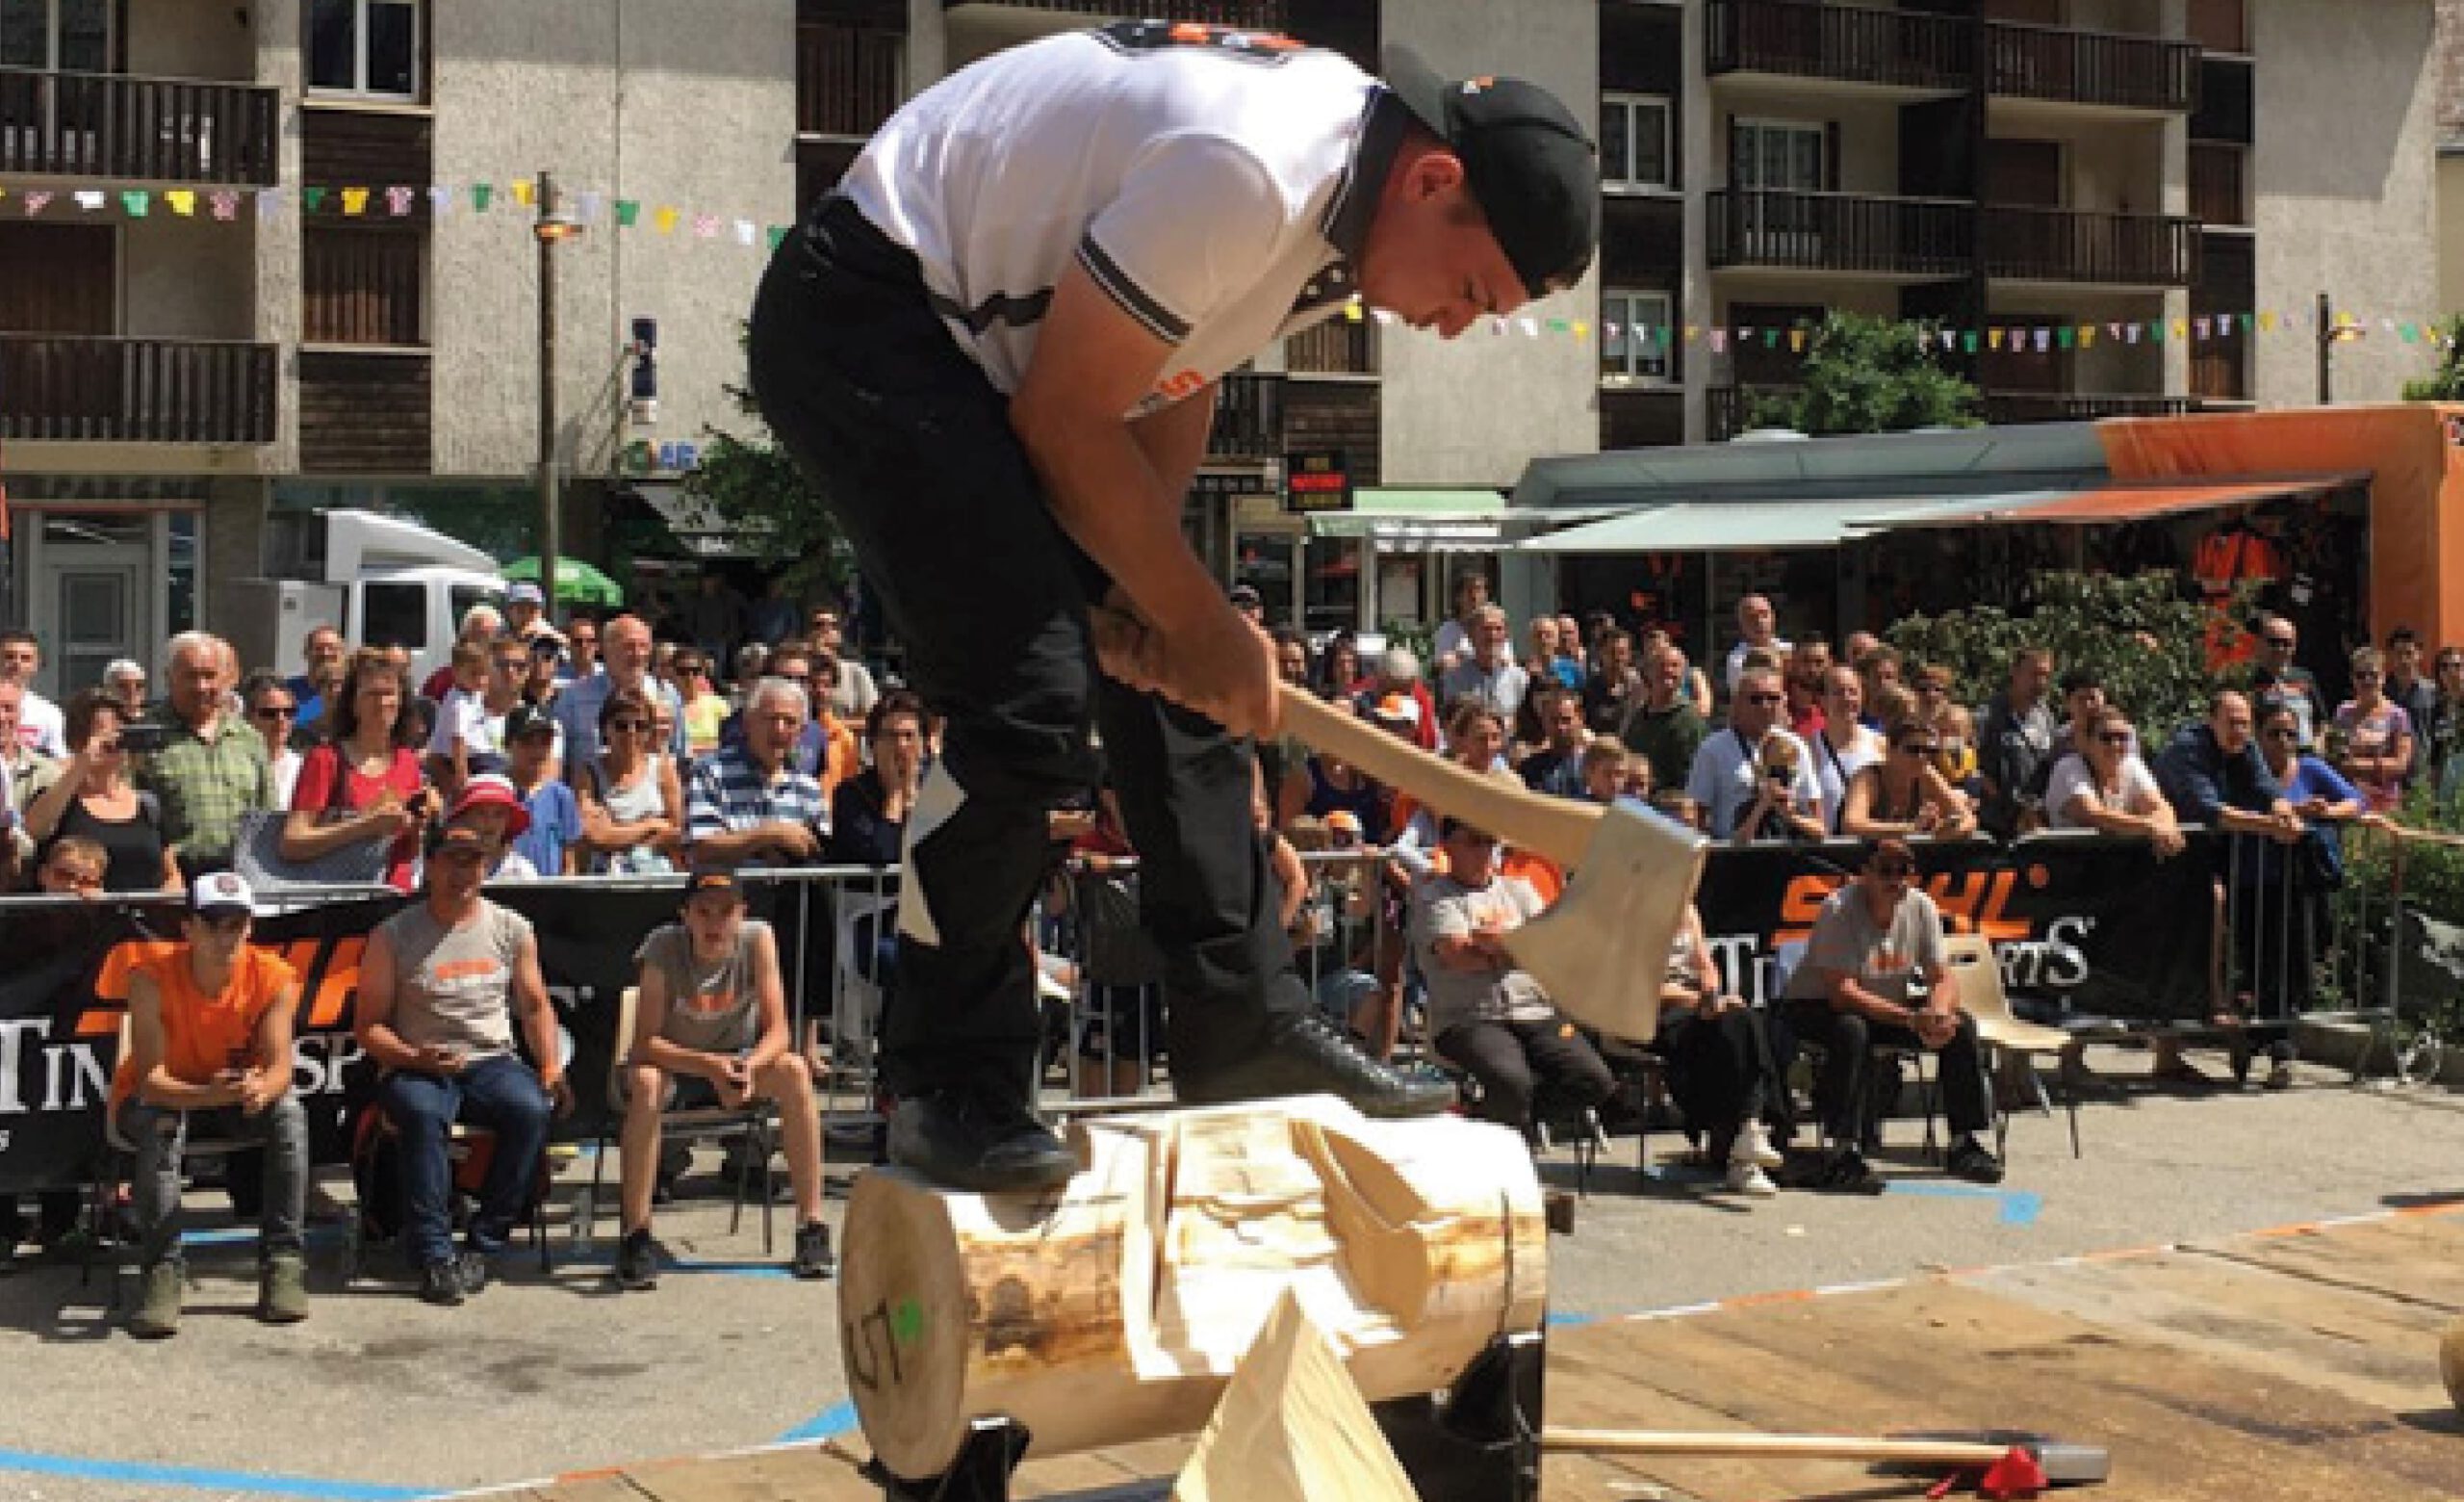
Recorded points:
381,580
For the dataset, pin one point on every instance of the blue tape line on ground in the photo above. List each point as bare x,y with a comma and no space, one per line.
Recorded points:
1572,1321
2019,1207
79,1468
828,1424
776,1270
242,1235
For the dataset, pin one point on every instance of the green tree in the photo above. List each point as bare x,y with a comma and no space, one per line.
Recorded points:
2447,383
2147,643
1867,375
749,479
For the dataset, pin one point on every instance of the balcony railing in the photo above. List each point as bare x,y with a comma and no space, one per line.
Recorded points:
114,127
88,389
1803,38
1244,15
1248,418
2077,406
2093,67
2065,245
1842,232
1336,347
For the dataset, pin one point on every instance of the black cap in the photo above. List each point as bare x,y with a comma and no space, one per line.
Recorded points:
525,720
711,878
1530,166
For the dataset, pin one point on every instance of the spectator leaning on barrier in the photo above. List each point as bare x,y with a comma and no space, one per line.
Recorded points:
212,767
552,843
209,1054
362,786
1486,1014
2109,789
748,805
1874,973
1732,779
1662,725
2014,745
40,724
868,811
632,802
710,1030
440,988
2306,873
93,799
1905,791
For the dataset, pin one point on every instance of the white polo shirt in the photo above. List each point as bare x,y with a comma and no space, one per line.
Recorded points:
1212,182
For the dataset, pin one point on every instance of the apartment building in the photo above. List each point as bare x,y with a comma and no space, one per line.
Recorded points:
243,268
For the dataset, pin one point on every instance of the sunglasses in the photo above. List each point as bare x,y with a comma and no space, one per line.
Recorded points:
2287,734
274,712
627,727
1766,698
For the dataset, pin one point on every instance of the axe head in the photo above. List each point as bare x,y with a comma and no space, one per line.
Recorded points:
1602,950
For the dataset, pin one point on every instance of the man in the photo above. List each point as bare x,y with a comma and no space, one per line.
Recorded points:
439,987
747,804
1486,671
2412,690
481,625
2014,746
1728,770
29,774
1486,1012
1757,631
1053,255
547,675
1454,641
41,725
327,658
1398,673
213,766
629,647
273,712
1664,727
1548,665
582,647
208,1053
526,612
1557,768
2083,700
2279,640
1807,667
857,692
710,1028
552,841
124,680
1874,973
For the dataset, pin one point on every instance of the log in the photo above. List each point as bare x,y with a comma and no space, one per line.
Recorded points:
2451,1364
1116,1309
1292,1428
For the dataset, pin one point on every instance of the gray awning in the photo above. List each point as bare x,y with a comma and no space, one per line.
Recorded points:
1744,525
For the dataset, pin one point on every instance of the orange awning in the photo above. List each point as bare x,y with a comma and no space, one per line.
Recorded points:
2110,506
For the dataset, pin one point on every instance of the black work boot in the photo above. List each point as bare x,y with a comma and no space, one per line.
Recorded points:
972,1139
1302,1054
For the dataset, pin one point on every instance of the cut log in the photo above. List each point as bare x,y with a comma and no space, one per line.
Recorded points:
2450,1363
1117,1310
1292,1428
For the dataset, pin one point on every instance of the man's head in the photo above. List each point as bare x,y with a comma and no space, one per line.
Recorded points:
198,683
894,728
524,605
546,650
2278,640
458,859
2403,654
1491,639
1471,852
1492,198
581,639
1664,674
529,740
2280,731
323,651
713,911
1880,668
73,865
1757,702
1561,716
125,680
1616,654
774,716
1808,662
1889,868
628,650
1291,658
2228,716
2031,672
2083,694
509,665
1398,669
825,628
1856,644
20,655
273,707
1756,620
1603,768
1471,593
1543,635
221,909
1474,734
481,623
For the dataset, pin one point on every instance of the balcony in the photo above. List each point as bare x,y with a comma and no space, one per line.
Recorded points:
2109,249
1910,239
1249,419
1241,15
89,389
1855,44
118,128
2078,406
2104,70
1336,347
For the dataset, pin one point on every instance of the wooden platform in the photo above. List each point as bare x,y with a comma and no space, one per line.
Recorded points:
2289,1367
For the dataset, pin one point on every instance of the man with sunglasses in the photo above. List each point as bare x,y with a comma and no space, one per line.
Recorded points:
2297,686
273,709
1874,973
1729,779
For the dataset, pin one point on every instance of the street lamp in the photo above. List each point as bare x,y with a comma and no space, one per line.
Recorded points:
2334,329
552,228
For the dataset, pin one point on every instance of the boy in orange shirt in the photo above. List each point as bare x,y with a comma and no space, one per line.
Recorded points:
209,1036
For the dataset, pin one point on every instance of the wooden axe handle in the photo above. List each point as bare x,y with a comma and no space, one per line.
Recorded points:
1557,828
1751,1446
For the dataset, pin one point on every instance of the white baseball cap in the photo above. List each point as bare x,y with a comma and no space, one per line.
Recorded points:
221,894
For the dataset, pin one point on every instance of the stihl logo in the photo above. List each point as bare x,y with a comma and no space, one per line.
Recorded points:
1971,902
328,972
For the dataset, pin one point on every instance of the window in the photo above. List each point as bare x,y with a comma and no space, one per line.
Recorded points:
1634,144
70,35
364,47
1630,348
1782,156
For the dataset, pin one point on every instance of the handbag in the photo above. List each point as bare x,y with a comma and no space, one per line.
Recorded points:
257,852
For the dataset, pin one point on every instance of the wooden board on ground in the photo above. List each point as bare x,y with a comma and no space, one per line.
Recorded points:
2280,1368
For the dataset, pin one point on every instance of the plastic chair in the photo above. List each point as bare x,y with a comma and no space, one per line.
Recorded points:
1969,957
703,1123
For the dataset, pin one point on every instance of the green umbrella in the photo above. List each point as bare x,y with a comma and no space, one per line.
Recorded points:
576,582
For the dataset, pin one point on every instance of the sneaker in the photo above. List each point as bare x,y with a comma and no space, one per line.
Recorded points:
1746,1176
1753,1145
813,1257
471,1268
636,1260
975,1140
282,1289
157,1316
1846,1172
2281,1075
1974,1161
441,1283
1302,1054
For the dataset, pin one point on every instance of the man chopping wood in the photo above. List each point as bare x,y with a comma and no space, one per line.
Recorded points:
994,348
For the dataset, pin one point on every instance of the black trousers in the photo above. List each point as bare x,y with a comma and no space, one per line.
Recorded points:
1719,1069
1844,1087
1549,1067
913,449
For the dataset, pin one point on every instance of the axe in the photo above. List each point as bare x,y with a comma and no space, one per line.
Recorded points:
2015,1465
1601,951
